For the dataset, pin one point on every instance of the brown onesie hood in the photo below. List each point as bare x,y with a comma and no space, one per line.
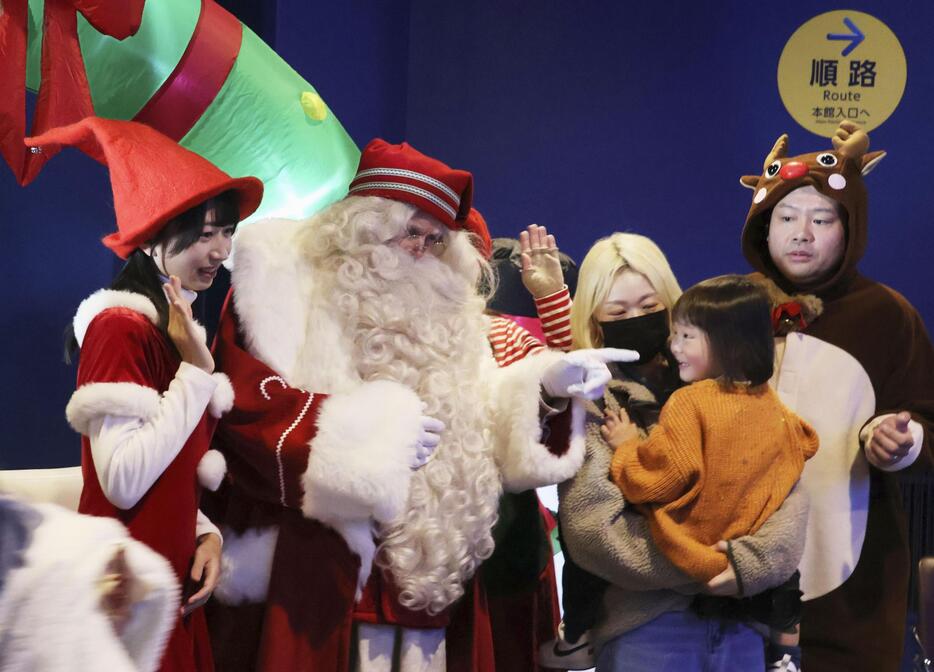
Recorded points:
836,173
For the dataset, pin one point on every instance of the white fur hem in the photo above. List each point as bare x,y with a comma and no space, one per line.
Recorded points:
103,299
95,400
223,397
358,535
524,461
212,467
360,461
246,565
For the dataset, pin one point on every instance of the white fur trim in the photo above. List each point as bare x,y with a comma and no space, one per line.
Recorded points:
359,536
103,299
523,460
211,469
284,323
268,295
96,400
222,399
50,607
246,565
360,461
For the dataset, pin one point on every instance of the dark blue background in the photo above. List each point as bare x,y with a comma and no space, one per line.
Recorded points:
588,117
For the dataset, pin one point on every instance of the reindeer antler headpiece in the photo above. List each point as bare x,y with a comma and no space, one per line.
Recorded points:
836,173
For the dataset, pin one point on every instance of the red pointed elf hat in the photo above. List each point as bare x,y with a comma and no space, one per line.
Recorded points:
153,178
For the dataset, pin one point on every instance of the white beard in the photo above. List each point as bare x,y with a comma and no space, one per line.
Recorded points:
421,323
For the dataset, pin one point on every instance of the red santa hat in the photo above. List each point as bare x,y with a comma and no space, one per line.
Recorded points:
402,173
477,224
152,177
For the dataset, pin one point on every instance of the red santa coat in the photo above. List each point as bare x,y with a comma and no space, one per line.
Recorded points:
307,478
126,364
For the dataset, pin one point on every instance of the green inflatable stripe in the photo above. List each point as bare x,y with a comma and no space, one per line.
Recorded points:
256,126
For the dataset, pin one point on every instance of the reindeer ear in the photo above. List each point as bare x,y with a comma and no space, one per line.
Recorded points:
779,150
871,160
749,181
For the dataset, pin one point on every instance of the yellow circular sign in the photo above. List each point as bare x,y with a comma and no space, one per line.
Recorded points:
842,65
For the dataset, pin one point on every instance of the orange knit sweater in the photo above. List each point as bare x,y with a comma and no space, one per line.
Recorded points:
716,466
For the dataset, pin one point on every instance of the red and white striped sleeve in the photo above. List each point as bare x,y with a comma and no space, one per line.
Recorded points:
554,312
510,342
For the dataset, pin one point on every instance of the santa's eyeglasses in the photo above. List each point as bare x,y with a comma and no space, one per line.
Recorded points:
416,241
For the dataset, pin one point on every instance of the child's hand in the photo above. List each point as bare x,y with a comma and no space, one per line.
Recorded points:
183,330
618,428
541,266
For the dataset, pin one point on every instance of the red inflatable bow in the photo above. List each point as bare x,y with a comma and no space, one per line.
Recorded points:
64,96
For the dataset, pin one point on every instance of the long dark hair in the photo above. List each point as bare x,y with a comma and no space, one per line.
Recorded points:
140,274
734,312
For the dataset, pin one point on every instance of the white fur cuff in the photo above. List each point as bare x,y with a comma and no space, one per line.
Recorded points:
96,400
523,460
359,463
223,397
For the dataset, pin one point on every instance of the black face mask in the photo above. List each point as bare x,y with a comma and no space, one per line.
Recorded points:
646,334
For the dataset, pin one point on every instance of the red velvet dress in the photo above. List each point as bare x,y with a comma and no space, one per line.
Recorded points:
123,346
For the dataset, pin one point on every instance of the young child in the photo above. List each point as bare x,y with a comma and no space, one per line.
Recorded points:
725,452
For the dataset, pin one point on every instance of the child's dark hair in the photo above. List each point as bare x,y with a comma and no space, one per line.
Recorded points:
735,314
140,274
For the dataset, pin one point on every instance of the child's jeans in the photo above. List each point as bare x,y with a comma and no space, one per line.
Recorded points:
681,641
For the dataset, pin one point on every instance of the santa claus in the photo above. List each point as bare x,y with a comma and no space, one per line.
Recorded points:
373,433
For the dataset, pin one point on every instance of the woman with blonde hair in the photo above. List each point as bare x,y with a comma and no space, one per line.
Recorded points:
626,607
618,255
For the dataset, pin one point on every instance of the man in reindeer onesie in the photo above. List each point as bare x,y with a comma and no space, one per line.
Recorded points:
373,432
861,373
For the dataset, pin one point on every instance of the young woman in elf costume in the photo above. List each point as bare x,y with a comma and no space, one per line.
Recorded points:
147,402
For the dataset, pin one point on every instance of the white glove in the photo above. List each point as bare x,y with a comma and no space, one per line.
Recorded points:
428,440
583,373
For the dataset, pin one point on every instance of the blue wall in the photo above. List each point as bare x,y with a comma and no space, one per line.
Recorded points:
588,117
595,117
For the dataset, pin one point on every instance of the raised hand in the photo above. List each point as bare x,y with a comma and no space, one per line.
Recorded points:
541,266
186,334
